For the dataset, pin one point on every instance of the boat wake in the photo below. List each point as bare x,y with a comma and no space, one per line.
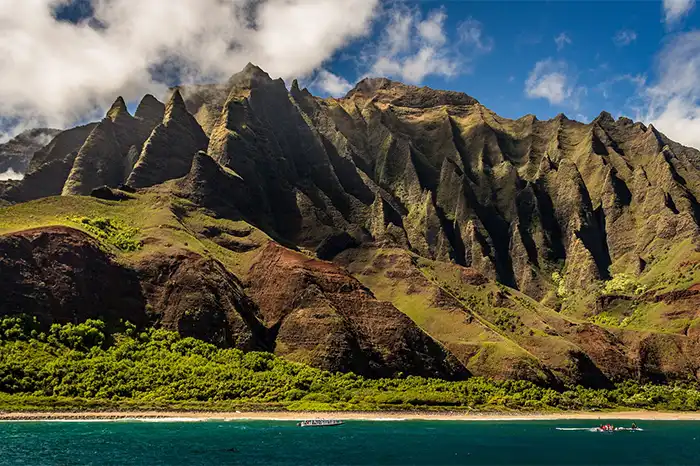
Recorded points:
589,429
598,429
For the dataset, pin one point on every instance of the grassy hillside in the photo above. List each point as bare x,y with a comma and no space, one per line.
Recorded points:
151,222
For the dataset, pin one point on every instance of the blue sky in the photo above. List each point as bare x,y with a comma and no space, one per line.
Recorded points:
603,54
64,62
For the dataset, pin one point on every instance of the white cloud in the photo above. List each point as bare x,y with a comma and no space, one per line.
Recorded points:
54,72
331,84
675,10
471,34
562,40
673,101
432,29
624,37
412,46
10,174
549,80
637,80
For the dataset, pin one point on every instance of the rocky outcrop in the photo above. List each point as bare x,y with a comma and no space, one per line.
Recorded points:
221,191
324,317
198,297
150,109
168,152
61,275
103,158
432,171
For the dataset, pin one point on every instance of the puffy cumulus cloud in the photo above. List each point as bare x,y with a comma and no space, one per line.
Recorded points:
412,46
55,72
552,80
562,40
672,102
331,84
675,10
624,37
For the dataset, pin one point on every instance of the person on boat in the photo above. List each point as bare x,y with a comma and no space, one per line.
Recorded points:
634,425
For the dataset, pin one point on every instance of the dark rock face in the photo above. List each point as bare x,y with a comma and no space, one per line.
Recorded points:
81,159
150,109
168,152
104,158
210,186
108,194
324,317
334,245
60,275
199,298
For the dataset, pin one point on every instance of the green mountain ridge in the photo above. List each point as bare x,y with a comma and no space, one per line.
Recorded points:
397,230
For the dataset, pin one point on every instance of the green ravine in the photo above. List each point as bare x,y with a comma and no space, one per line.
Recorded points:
84,367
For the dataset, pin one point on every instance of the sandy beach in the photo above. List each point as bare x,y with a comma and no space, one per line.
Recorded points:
369,416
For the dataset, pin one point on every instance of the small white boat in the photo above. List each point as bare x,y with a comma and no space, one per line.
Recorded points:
319,423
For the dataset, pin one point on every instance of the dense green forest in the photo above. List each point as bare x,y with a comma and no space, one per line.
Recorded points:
84,366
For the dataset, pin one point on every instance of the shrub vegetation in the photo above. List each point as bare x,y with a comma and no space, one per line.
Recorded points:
84,366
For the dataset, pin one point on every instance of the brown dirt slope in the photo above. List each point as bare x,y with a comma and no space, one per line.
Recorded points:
324,317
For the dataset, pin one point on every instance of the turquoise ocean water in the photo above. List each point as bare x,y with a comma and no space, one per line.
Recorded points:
354,443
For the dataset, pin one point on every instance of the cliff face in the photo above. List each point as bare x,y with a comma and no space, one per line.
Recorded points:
441,175
104,158
167,153
543,250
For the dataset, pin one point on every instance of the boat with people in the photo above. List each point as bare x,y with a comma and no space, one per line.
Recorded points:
605,428
319,423
612,428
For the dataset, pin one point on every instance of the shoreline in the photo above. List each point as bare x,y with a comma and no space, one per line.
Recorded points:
190,416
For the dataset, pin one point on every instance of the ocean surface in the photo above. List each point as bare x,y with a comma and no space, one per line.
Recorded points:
354,443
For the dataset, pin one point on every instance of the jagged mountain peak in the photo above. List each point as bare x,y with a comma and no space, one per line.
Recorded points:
386,91
118,110
369,86
175,109
605,117
251,76
150,109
